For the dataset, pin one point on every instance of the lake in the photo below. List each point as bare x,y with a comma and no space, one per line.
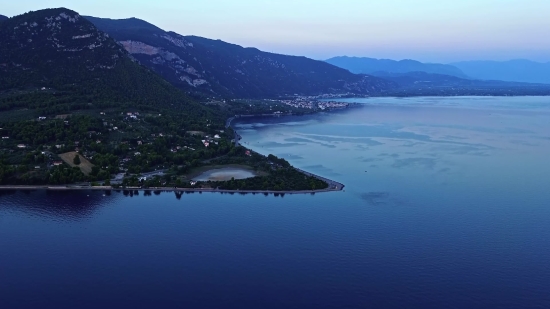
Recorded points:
446,205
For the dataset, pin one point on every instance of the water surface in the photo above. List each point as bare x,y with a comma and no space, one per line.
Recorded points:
446,205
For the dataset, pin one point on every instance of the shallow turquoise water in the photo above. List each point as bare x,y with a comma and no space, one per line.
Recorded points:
446,205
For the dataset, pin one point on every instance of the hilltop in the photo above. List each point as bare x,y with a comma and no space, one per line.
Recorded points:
56,61
218,68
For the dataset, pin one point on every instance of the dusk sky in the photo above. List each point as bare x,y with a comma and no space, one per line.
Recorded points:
425,30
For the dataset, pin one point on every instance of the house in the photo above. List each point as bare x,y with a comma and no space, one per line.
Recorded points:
248,153
21,146
217,136
139,142
193,183
137,153
41,118
57,163
5,137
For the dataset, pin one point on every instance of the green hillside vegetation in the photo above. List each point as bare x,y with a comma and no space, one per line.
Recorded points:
45,69
217,68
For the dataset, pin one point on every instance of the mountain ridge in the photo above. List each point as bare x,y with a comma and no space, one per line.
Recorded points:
365,65
2,17
517,70
215,67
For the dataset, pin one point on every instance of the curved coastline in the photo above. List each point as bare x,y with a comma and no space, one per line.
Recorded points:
333,186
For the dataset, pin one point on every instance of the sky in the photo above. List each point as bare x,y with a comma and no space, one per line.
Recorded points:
425,30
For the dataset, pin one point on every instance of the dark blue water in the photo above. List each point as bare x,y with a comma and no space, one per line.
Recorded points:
447,205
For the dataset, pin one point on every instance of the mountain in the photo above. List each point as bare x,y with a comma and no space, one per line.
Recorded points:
371,65
428,84
514,70
219,68
2,17
57,61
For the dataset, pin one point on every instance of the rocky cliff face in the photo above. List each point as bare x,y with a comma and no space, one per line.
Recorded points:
219,68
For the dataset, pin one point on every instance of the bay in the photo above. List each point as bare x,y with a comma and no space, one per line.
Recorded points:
446,205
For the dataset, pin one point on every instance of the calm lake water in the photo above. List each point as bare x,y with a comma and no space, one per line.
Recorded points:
446,205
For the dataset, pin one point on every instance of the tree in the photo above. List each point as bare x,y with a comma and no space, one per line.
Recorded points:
76,159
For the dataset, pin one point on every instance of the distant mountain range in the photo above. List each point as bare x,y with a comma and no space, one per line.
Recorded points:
2,17
219,68
429,84
513,70
372,66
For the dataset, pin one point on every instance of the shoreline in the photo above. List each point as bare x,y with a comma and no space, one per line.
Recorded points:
333,186
164,189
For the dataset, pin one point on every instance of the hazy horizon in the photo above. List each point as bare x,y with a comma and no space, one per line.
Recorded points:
427,30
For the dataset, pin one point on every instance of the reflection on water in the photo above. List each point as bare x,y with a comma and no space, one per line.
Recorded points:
82,204
73,205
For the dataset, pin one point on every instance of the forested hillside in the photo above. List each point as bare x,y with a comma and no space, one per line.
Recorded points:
55,61
219,68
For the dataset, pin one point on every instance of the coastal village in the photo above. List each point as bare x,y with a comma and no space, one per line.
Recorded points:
315,104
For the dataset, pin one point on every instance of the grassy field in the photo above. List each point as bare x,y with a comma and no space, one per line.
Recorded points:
85,165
